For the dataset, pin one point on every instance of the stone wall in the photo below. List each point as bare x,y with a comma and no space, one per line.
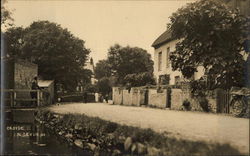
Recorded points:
134,96
141,97
157,99
164,98
117,95
127,98
178,96
24,72
177,99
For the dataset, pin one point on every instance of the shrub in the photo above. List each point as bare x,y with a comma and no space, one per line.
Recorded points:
111,135
204,104
186,104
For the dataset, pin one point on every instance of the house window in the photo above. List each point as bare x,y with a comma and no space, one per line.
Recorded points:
164,79
177,80
159,61
167,57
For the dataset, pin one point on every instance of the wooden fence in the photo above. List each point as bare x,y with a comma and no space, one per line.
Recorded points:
223,98
12,100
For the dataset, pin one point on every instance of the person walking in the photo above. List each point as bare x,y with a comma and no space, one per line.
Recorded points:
106,98
34,86
96,97
85,97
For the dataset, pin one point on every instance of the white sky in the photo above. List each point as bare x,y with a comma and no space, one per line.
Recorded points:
101,23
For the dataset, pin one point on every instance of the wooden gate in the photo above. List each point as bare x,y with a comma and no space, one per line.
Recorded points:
223,99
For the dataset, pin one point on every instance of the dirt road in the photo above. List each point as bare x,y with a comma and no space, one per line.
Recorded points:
186,125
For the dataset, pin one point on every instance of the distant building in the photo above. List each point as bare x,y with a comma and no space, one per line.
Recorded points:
163,72
47,85
18,73
165,44
90,66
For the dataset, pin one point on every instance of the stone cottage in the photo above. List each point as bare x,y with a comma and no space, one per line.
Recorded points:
163,72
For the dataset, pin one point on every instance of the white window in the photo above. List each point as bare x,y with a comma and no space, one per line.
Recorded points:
167,57
177,80
159,61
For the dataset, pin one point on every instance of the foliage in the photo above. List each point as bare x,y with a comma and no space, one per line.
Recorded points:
204,104
14,39
110,135
128,60
210,35
124,65
139,79
198,88
90,88
86,76
59,54
6,19
102,69
104,85
186,104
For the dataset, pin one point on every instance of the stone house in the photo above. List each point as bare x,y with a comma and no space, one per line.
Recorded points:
163,72
18,73
165,44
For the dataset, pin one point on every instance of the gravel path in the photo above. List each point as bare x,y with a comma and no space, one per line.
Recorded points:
187,125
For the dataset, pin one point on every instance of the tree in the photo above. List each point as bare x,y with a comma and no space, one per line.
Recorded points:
6,19
102,69
140,79
104,86
14,40
59,54
211,36
128,60
104,77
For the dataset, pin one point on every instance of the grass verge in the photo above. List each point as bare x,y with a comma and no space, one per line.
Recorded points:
116,139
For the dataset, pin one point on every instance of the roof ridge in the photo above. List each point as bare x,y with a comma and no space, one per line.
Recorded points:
166,36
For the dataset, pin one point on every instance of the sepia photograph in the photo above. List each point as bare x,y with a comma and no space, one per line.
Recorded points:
125,77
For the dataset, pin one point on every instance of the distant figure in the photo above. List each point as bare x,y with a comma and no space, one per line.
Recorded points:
58,101
106,98
96,97
34,86
101,98
85,97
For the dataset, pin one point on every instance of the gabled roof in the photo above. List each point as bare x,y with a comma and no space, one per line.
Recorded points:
163,38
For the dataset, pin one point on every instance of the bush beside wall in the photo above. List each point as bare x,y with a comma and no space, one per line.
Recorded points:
178,97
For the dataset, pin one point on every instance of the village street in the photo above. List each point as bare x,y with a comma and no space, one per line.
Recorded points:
180,124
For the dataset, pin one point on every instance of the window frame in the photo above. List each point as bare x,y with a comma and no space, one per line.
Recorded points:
160,61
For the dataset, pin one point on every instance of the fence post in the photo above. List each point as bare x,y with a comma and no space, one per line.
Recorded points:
38,98
228,102
14,98
11,98
42,102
